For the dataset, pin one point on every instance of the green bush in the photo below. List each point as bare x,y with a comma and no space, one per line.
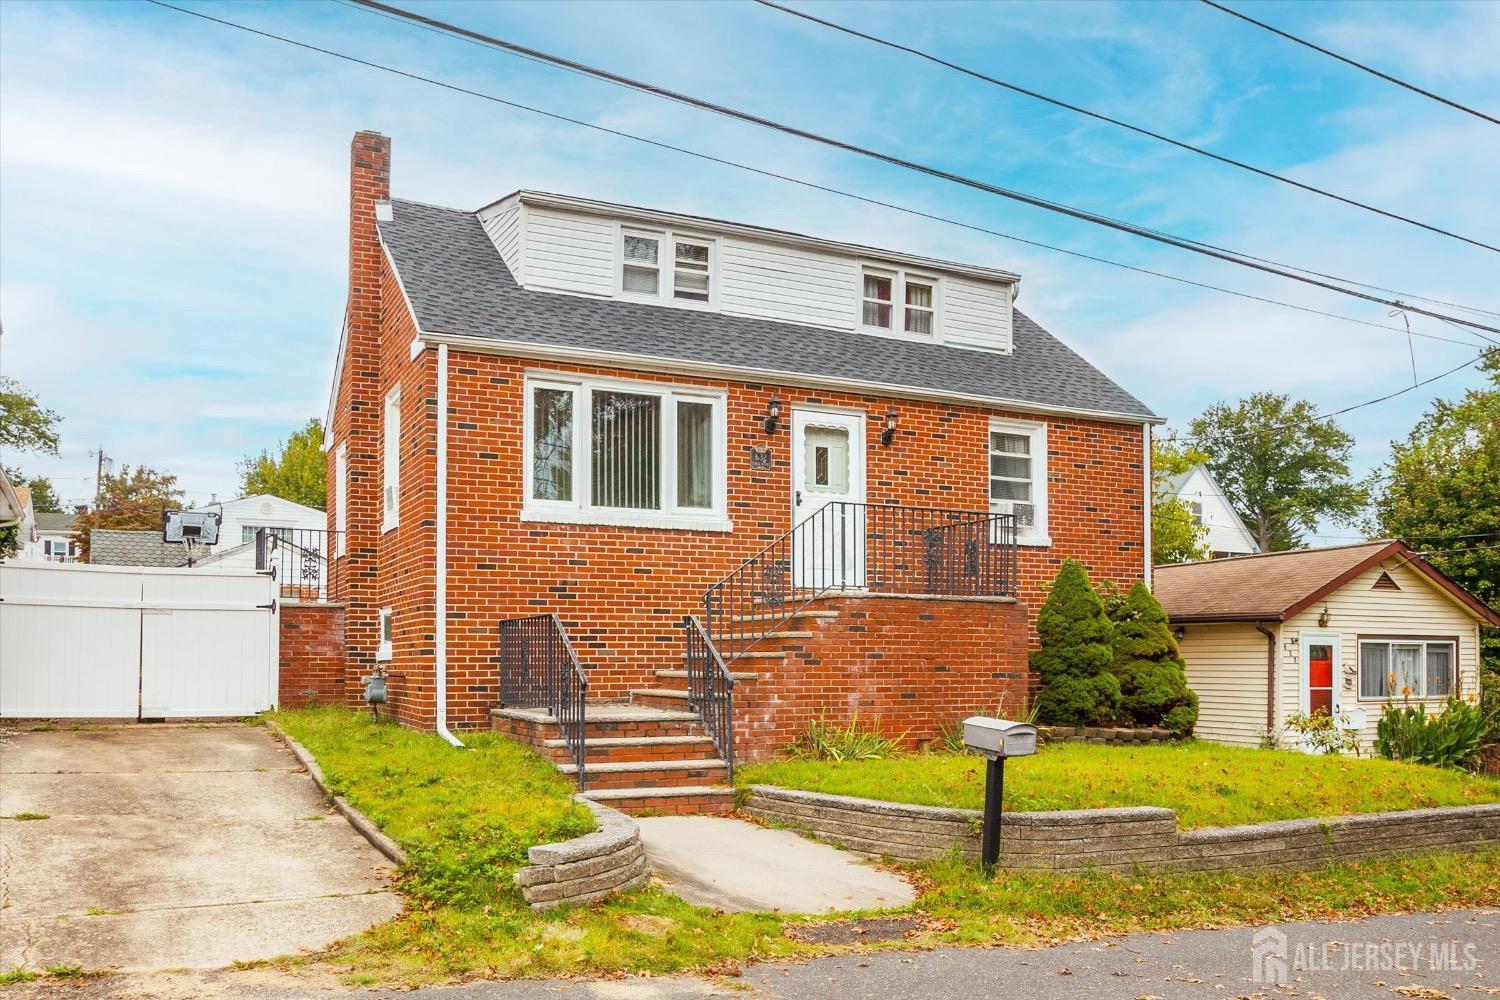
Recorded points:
1077,687
1152,674
824,740
1451,738
1322,733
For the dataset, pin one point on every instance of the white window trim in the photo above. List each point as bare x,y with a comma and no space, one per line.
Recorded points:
578,510
383,649
1037,534
341,499
1415,640
666,266
899,277
390,479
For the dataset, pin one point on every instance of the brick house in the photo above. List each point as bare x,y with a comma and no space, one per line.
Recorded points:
641,408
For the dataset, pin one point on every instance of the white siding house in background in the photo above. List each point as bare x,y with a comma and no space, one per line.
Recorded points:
240,518
1227,534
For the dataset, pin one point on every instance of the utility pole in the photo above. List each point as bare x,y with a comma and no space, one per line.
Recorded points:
98,481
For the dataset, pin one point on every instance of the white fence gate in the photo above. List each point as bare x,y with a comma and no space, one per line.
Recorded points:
93,642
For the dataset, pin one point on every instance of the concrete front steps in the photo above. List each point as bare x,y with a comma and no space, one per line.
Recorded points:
637,758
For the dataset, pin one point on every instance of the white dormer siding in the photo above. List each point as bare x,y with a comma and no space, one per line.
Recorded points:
554,243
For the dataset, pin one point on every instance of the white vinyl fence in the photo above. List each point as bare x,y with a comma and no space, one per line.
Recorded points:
131,642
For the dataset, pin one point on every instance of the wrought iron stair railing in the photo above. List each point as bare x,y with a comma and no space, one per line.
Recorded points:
860,547
710,690
538,669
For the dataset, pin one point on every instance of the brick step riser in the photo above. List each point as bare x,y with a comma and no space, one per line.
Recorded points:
535,734
698,805
654,701
647,780
625,755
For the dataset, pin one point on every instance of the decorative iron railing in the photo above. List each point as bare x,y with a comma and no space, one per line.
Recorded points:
710,689
871,548
303,561
538,669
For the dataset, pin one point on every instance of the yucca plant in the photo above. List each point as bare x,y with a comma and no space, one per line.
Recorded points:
1450,738
824,740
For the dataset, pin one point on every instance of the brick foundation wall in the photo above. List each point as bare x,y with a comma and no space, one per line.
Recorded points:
911,666
1123,839
314,661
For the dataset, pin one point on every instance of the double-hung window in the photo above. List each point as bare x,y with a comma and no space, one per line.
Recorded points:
390,498
669,268
611,452
897,301
1018,477
1400,668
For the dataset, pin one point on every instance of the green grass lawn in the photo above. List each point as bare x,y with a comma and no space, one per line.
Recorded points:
466,818
1208,784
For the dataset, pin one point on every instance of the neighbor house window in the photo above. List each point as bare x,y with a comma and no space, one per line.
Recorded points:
248,531
1018,477
1195,511
391,494
607,451
387,634
1388,668
689,261
881,290
341,496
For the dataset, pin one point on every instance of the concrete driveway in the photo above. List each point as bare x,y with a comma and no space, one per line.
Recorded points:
175,846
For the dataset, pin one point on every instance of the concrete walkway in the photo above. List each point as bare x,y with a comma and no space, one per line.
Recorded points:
172,847
733,865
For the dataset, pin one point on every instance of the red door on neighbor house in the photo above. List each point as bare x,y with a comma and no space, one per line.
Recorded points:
1320,677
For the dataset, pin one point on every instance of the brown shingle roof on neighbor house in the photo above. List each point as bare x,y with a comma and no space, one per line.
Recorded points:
1277,585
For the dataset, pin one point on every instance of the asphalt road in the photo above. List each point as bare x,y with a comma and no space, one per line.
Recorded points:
1375,958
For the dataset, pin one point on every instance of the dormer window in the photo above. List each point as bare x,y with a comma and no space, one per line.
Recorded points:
883,289
644,256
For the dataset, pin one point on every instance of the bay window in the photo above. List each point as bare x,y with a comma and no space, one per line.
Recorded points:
1390,668
603,451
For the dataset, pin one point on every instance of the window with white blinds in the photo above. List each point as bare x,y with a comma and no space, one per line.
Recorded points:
1018,477
608,451
667,267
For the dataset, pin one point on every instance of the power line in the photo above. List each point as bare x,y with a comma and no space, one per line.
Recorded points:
1195,246
1098,116
1391,395
812,185
1357,65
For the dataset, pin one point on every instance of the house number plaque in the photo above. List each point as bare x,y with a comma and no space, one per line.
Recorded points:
760,456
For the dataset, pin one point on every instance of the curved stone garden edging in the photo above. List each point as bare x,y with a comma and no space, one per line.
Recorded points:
1121,839
587,868
385,845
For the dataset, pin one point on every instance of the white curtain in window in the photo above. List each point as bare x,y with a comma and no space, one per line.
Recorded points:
1010,474
1439,670
1406,663
918,308
1374,669
877,301
695,452
626,450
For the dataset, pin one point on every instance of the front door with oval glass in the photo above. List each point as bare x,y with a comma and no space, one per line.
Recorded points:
828,489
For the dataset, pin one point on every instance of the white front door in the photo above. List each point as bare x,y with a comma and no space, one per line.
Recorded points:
828,480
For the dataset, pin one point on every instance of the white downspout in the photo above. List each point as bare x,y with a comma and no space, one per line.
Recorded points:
440,625
1150,497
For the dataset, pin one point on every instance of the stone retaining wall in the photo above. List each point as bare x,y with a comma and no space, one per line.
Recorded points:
587,868
1121,839
1114,736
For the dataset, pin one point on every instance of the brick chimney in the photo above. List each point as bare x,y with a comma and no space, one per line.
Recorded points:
356,414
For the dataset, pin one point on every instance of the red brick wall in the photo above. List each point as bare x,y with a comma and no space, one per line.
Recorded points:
969,658
313,659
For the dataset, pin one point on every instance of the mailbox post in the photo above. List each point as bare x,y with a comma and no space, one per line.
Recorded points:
995,740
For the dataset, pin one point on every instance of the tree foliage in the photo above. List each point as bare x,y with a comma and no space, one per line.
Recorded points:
297,472
25,425
132,499
1441,494
44,498
1077,687
1175,536
1280,468
1152,673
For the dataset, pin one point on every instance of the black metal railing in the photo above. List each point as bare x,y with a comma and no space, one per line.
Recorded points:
872,548
710,689
538,669
304,561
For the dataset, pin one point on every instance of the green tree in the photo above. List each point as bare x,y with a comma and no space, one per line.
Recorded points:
25,424
297,472
1077,687
1152,673
1441,494
1175,536
132,499
44,499
1280,467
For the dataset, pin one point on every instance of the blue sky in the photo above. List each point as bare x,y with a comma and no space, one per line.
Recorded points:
173,194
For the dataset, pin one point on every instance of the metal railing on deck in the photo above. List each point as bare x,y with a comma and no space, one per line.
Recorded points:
871,548
304,561
538,669
710,690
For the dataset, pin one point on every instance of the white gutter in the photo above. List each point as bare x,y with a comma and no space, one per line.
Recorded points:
1148,496
440,626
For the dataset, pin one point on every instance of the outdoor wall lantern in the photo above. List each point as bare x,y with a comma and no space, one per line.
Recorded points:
773,414
1178,631
995,740
889,434
1323,618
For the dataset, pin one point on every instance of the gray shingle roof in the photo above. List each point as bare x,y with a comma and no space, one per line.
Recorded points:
133,548
54,521
457,283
